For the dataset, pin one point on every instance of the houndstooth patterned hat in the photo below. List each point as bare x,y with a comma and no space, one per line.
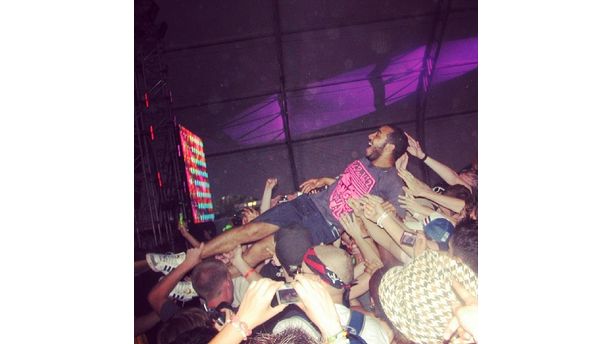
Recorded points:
418,298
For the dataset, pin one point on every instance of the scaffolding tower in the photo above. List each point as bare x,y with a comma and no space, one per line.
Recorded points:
159,182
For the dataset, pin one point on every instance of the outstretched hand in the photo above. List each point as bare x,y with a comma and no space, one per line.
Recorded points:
465,316
192,257
357,206
389,208
351,227
417,187
372,208
271,183
414,148
248,215
409,203
311,184
236,255
401,162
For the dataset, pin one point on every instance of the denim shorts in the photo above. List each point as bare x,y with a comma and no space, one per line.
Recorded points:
302,211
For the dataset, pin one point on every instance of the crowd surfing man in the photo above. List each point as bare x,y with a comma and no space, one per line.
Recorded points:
320,213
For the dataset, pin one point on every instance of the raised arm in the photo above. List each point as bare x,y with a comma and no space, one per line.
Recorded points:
419,189
353,228
362,281
245,269
446,173
267,194
452,203
190,238
159,294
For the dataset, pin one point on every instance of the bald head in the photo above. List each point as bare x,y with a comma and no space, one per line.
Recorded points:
337,260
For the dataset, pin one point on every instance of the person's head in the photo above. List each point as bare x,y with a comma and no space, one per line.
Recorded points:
212,281
289,335
461,192
198,335
438,231
185,320
290,245
374,283
333,265
464,243
469,175
388,142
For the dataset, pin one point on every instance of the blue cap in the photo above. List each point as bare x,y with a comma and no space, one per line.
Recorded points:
440,231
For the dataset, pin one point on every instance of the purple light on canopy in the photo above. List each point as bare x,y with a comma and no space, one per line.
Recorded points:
333,101
401,77
456,58
351,95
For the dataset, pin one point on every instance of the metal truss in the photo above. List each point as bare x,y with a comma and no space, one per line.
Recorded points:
432,51
159,180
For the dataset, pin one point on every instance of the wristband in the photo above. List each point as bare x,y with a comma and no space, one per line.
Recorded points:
246,274
424,158
381,218
241,326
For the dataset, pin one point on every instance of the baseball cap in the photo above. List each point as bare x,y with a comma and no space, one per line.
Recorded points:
291,244
438,229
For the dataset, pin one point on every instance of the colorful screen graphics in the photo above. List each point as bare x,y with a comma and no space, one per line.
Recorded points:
197,176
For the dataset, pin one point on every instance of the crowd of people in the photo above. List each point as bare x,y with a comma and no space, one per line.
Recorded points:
373,255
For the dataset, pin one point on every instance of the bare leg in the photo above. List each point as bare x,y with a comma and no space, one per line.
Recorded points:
227,241
259,251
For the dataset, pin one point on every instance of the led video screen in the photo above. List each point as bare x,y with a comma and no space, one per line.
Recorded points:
197,176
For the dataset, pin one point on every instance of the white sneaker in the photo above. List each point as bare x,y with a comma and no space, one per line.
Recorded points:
164,263
183,291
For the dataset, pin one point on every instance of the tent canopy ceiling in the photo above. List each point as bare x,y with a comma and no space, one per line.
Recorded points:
346,64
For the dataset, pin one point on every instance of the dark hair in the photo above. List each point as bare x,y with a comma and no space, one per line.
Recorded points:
288,336
398,139
185,320
465,243
198,335
208,277
463,193
373,286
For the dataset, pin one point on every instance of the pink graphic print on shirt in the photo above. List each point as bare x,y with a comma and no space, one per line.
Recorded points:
355,182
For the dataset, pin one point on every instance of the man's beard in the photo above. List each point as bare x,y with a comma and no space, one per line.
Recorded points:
376,153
